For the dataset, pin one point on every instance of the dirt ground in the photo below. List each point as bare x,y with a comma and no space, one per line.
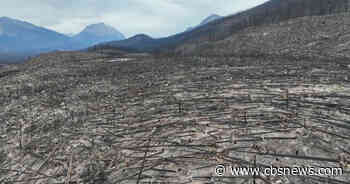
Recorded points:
77,118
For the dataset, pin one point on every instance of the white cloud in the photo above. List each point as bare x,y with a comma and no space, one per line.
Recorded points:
154,17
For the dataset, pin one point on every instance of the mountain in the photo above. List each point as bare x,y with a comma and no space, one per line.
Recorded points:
98,33
206,21
19,36
19,39
304,37
210,19
132,44
70,34
272,11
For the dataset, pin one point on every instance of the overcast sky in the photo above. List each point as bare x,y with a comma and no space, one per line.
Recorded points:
156,18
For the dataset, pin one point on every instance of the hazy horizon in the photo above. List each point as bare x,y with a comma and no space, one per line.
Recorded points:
156,18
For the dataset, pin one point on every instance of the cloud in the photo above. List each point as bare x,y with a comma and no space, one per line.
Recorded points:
157,18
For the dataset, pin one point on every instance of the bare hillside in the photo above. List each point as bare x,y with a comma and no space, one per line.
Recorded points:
316,36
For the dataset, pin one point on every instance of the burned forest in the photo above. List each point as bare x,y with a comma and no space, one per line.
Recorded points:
271,95
86,120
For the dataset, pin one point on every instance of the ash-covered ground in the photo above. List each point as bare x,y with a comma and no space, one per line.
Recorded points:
73,117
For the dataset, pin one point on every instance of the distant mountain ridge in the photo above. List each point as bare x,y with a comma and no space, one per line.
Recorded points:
98,33
145,43
305,37
70,34
272,11
19,39
208,19
25,38
20,36
133,44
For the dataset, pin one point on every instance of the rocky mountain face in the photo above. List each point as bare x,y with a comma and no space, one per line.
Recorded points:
98,33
